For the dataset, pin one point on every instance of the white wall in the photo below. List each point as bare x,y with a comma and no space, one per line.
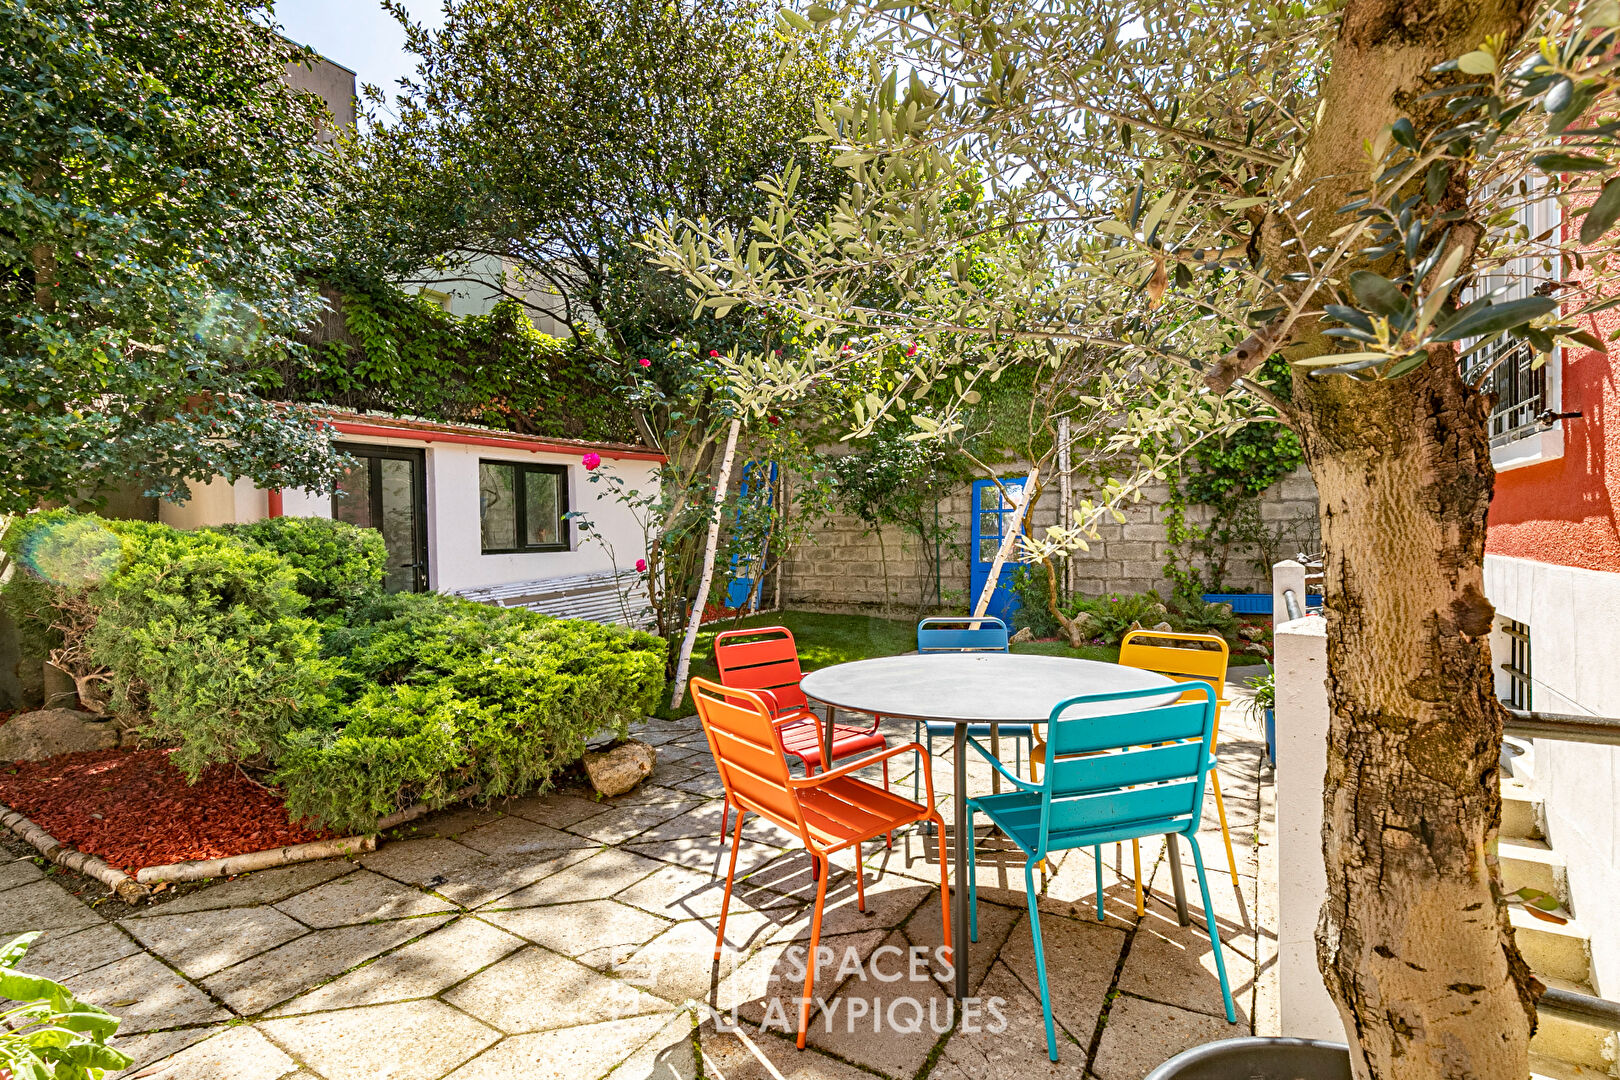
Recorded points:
455,560
1574,620
218,502
1300,660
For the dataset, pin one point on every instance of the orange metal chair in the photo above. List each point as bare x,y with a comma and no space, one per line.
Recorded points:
829,811
1204,661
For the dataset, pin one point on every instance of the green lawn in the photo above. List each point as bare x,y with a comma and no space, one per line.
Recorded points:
824,640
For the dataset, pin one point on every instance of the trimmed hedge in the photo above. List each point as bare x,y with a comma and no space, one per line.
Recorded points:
336,565
448,693
386,702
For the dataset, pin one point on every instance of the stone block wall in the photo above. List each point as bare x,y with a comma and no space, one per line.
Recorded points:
845,566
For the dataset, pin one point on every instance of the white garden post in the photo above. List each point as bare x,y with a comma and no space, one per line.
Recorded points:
683,665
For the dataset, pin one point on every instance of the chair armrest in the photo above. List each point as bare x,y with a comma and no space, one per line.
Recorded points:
995,763
873,759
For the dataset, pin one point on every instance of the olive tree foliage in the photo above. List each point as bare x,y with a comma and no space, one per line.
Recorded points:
160,190
1195,189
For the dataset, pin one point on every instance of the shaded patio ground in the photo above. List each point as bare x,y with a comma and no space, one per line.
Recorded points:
563,937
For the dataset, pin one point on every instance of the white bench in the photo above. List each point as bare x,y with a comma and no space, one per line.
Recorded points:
604,597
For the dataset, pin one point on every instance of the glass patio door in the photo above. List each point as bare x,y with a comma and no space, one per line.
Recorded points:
386,489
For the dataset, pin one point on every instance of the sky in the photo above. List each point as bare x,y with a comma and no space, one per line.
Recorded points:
358,34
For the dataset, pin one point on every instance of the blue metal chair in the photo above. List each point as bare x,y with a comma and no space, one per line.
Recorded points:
1110,778
964,633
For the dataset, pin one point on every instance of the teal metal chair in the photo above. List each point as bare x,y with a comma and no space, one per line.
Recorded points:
964,633
1120,776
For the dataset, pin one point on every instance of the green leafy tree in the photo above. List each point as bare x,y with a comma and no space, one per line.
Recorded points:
160,190
1347,186
548,137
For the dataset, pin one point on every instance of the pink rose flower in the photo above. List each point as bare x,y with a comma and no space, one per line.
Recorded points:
591,461
641,566
714,352
644,362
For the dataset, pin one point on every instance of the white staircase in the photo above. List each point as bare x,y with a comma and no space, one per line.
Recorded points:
1557,951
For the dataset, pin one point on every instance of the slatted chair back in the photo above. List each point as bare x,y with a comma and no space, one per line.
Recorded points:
747,752
1205,663
1126,773
764,659
962,633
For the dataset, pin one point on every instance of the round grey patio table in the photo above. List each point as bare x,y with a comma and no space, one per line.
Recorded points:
977,688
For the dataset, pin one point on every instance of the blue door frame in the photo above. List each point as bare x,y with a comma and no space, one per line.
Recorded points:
993,516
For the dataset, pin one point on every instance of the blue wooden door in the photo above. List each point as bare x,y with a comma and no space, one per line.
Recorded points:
747,583
993,517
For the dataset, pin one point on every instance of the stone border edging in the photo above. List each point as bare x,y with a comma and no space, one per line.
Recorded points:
123,886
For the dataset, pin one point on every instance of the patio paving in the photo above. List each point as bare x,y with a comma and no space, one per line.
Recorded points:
563,936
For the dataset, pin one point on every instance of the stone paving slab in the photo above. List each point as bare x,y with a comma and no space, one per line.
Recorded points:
203,942
420,969
519,836
569,1054
42,905
423,1040
594,878
360,898
619,824
589,907
145,995
143,1050
62,954
235,1053
1141,1035
19,872
262,887
251,987
601,933
536,990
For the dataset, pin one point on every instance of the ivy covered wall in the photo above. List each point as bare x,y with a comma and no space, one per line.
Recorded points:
382,349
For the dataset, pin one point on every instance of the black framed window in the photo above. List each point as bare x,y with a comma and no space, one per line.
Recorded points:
522,507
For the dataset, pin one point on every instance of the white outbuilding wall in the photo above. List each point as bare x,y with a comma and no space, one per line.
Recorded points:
1574,620
455,560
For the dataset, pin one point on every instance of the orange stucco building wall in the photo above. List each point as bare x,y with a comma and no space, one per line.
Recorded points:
1565,511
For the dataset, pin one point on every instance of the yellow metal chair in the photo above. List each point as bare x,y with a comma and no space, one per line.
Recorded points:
1204,661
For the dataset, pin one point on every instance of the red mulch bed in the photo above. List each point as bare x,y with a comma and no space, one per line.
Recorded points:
134,809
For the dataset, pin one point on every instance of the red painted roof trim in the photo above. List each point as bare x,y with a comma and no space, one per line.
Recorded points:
424,431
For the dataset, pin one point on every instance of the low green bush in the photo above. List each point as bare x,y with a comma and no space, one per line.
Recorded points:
206,641
388,701
1034,612
336,564
452,693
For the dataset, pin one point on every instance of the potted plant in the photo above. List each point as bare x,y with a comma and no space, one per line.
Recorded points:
1259,1058
46,1031
1265,698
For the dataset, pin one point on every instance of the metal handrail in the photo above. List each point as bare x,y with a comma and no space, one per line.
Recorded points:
1572,1005
1291,604
1566,726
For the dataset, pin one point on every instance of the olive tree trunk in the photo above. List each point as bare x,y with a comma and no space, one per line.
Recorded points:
1414,939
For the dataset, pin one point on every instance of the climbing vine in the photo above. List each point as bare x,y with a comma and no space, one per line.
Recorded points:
382,348
1229,475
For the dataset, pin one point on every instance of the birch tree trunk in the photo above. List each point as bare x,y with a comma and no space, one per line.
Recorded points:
1008,543
722,482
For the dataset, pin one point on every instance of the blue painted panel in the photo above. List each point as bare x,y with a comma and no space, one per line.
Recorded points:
1254,603
758,482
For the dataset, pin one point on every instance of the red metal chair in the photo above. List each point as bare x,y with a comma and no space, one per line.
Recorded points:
766,661
829,812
